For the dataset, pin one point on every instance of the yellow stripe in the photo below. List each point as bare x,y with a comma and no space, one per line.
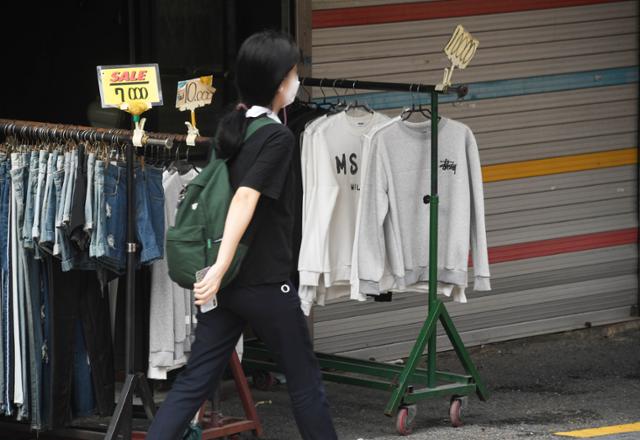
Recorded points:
597,432
557,165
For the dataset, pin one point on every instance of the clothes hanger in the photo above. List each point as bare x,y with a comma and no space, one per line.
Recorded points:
324,104
356,105
407,112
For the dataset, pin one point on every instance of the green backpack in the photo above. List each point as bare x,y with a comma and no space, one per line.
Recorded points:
194,241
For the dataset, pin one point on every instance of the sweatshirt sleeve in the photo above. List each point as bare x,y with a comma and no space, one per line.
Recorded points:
320,195
478,231
374,205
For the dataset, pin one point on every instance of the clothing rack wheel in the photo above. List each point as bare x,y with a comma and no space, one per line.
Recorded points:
401,380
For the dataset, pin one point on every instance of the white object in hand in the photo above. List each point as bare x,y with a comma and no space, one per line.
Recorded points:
213,302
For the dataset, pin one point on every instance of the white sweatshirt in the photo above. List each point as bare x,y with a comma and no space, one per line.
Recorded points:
393,227
331,164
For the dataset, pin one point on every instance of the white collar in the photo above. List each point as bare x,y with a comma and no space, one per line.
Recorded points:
257,110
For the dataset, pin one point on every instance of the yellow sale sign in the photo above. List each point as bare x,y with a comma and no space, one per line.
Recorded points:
125,84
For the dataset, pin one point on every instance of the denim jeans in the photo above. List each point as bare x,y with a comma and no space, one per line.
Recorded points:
115,218
17,289
58,180
48,213
3,158
32,186
145,231
98,246
34,313
38,202
155,191
6,401
115,194
88,205
63,240
19,272
77,295
45,293
83,402
70,180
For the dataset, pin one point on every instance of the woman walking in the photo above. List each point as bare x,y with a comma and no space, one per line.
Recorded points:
261,214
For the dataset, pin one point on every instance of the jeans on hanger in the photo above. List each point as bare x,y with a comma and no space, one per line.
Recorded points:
45,293
155,191
47,219
38,202
75,229
115,218
83,402
77,295
19,282
7,302
98,246
145,232
35,312
70,180
78,257
58,180
88,204
29,213
6,388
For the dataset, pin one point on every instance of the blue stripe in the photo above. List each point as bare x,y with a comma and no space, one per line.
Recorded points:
508,87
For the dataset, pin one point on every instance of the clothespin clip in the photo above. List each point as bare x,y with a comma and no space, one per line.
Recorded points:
136,108
192,133
460,49
138,132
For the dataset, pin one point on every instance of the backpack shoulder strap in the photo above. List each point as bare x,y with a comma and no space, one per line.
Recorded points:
256,124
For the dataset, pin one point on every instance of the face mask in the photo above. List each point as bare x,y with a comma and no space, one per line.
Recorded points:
291,92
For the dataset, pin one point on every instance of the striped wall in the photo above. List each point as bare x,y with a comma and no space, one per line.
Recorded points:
554,105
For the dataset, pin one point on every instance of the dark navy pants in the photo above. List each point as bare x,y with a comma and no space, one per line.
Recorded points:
274,313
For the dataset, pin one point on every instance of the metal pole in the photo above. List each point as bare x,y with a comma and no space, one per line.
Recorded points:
461,90
433,240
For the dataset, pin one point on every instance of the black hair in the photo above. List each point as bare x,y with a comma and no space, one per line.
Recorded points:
263,62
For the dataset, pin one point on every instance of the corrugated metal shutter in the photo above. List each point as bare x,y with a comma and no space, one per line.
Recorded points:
553,103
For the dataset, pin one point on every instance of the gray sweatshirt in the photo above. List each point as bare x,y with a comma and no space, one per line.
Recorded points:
393,225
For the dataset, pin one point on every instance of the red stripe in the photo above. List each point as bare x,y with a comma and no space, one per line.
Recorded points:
576,243
327,18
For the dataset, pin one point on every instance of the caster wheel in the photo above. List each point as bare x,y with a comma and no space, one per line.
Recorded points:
404,419
263,380
455,411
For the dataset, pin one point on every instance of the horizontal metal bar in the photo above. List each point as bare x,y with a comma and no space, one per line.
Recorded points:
228,429
258,354
351,380
377,85
41,131
439,391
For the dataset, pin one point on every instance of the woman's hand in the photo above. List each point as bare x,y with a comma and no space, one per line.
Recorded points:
209,286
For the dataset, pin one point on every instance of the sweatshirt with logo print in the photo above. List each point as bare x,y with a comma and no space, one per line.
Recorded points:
392,243
331,163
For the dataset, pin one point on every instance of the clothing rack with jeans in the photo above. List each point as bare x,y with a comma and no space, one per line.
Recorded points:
407,384
156,147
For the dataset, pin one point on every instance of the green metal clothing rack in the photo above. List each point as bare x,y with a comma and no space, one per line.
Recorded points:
407,383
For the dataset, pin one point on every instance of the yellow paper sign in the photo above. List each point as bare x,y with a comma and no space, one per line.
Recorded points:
129,84
194,93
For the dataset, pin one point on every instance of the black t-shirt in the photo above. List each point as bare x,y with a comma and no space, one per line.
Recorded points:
264,164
